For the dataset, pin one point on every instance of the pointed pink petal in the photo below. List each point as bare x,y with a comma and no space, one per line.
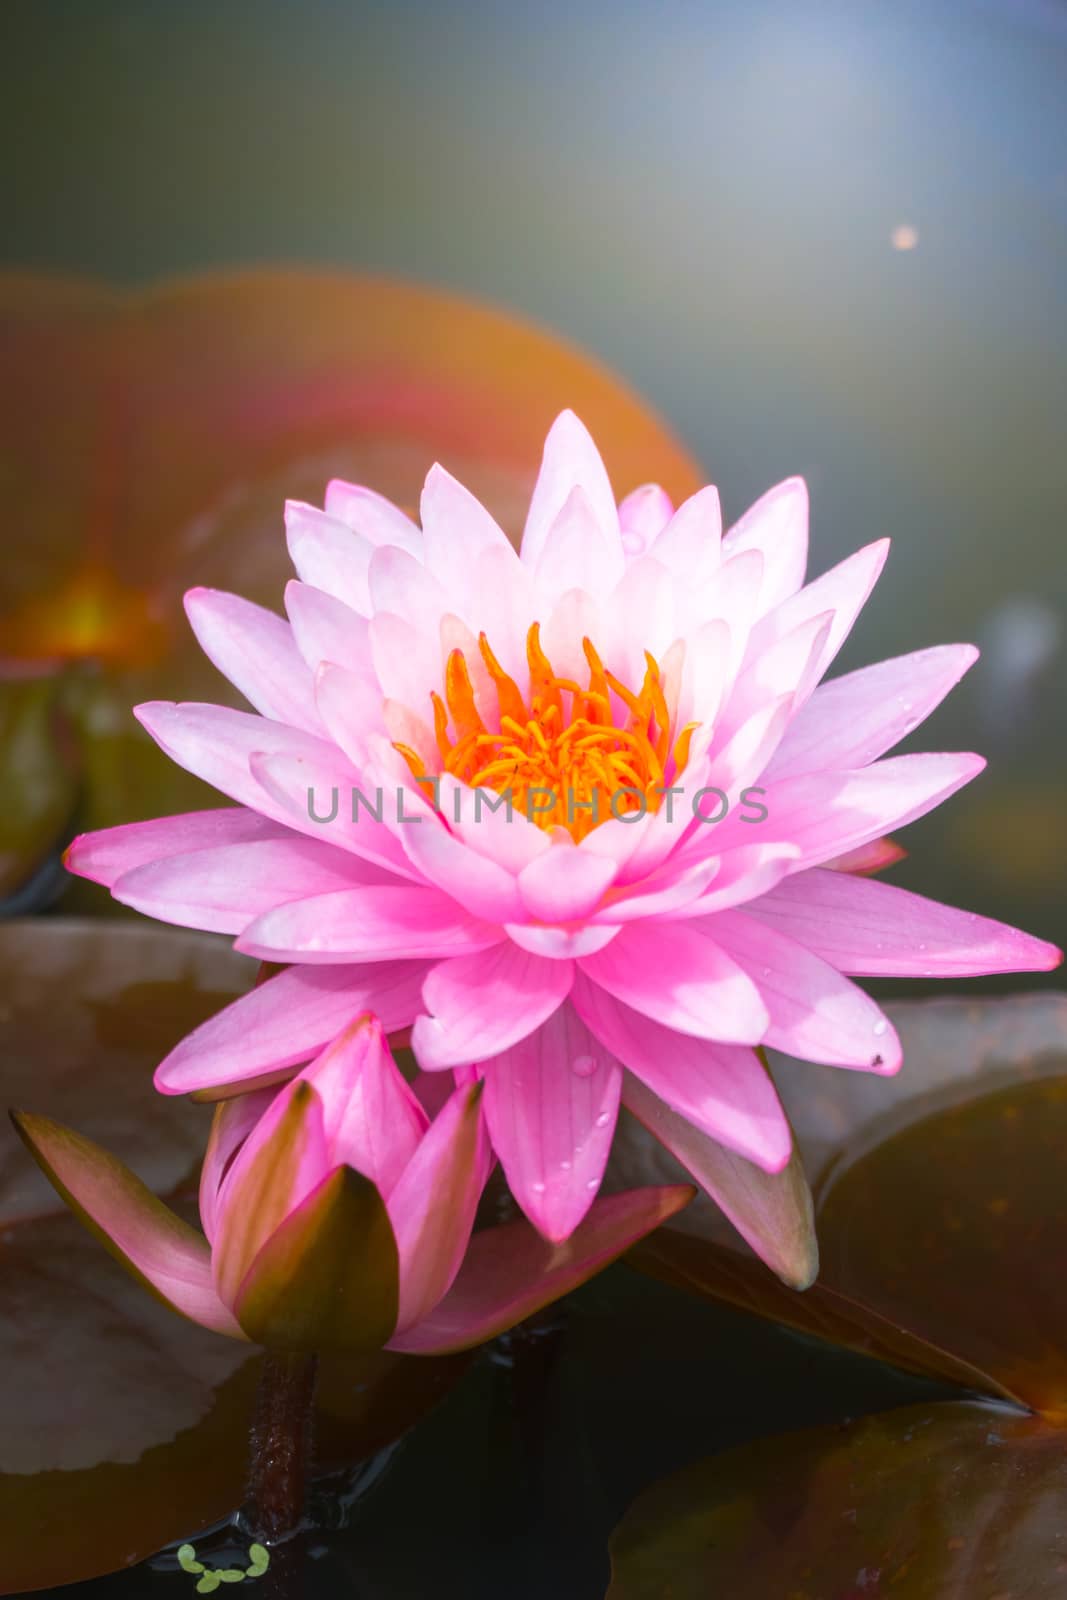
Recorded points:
511,1272
571,460
675,975
843,590
325,629
456,527
351,708
826,814
255,650
578,552
815,1013
215,743
789,666
551,1103
476,817
170,1258
483,1004
232,1123
286,1020
643,515
223,889
371,1120
667,892
873,929
371,515
723,1089
280,1163
329,555
743,874
776,526
851,721
486,890
104,856
307,792
407,660
433,1205
401,585
376,923
565,883
690,544
771,1211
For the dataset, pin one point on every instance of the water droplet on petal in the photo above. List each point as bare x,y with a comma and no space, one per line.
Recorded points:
881,1026
564,1166
603,1119
583,1066
594,1183
538,1188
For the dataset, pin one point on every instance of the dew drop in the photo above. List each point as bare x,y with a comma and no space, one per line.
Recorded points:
564,1166
603,1119
583,1066
594,1183
538,1188
881,1026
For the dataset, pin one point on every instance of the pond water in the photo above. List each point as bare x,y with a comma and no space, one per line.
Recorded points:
822,238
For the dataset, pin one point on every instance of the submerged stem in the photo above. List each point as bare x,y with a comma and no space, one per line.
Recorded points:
281,1445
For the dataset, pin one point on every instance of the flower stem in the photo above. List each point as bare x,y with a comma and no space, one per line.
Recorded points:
281,1445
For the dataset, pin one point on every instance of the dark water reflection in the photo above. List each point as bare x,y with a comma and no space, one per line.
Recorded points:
713,198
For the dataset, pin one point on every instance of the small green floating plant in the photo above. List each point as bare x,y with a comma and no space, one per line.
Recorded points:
210,1579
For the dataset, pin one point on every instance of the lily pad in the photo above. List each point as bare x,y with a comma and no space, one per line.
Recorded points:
184,416
941,1211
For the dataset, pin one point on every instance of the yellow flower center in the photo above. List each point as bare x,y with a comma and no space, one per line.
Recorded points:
560,754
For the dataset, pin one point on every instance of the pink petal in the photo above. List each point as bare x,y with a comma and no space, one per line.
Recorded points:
371,1120
815,1013
579,552
232,1123
255,650
371,515
855,719
723,1089
551,1103
826,814
565,883
675,975
350,707
222,889
401,585
456,527
308,793
286,1020
326,629
571,460
329,555
476,817
690,544
776,526
433,1206
643,515
743,874
771,1211
136,1227
407,660
789,666
512,1271
486,890
873,857
669,890
104,856
481,1005
376,923
560,944
873,929
843,590
215,743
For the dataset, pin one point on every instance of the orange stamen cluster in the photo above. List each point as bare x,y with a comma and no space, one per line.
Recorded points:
564,740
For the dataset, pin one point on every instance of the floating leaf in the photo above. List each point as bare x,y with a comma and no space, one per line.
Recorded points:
955,1501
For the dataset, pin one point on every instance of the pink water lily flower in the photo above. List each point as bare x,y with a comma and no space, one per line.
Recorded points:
337,1215
677,879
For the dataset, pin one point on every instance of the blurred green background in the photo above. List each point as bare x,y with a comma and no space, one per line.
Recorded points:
821,238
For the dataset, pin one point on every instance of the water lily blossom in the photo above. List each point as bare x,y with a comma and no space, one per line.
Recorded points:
583,816
337,1215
